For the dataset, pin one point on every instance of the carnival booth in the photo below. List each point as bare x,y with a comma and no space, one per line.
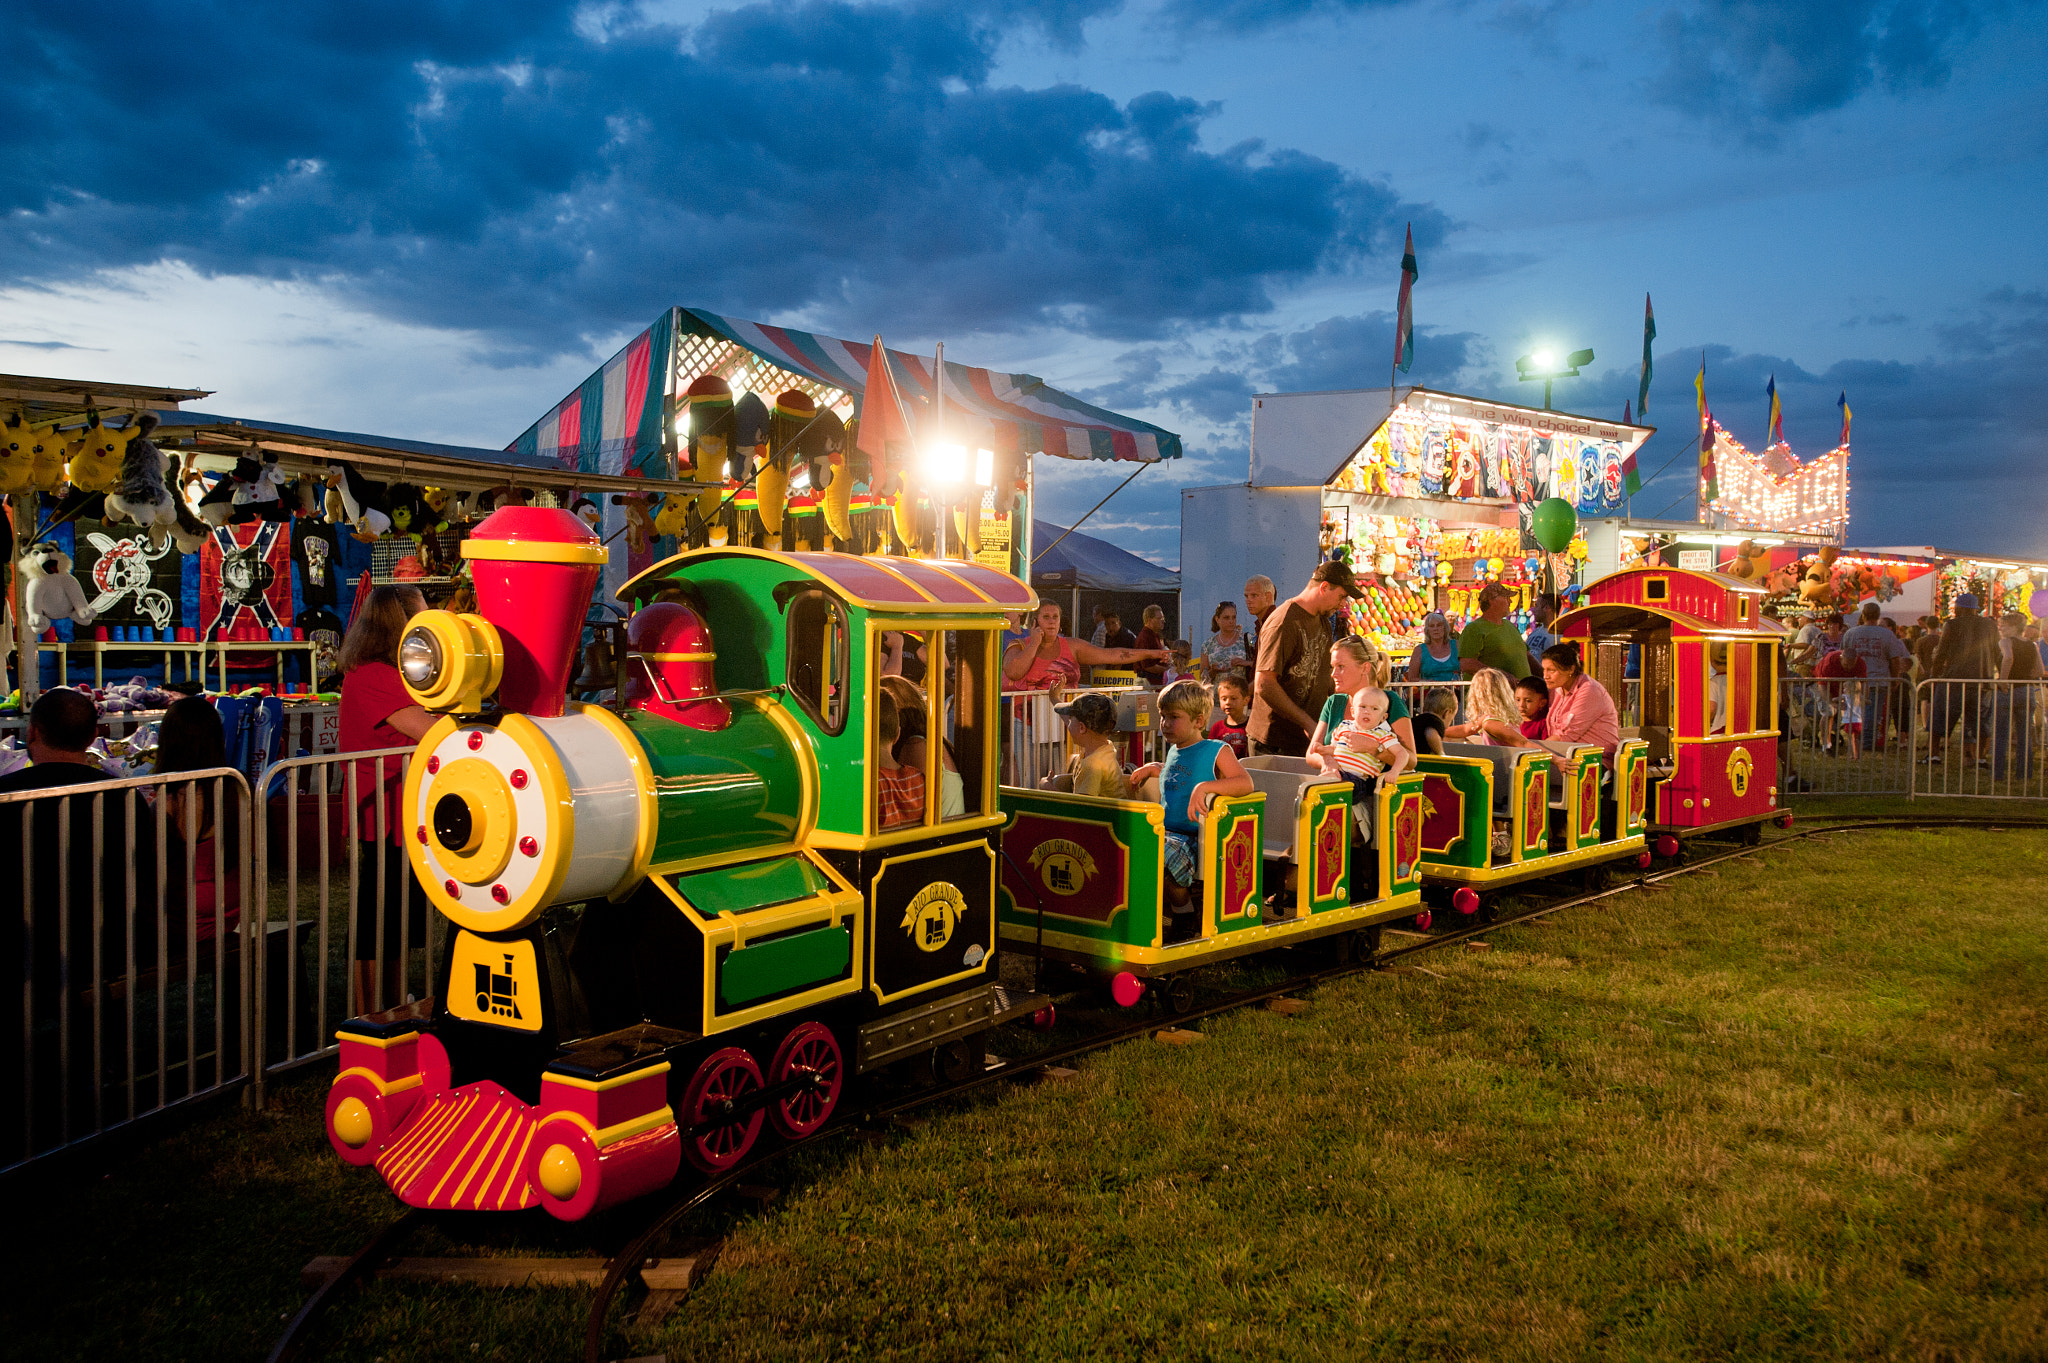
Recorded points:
801,441
1427,494
236,568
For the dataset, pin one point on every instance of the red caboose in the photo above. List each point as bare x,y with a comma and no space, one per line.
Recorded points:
1708,663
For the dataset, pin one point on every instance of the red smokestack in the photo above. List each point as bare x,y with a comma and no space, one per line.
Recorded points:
535,569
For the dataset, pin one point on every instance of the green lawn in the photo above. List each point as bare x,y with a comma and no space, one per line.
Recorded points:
1788,1108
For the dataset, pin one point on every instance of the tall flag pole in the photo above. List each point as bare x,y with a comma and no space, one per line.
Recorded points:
1632,477
1777,432
1843,403
1649,335
1404,323
1710,489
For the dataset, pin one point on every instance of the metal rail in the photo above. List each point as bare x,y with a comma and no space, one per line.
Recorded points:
639,1248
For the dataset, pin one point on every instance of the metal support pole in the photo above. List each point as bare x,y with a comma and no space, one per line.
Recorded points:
28,664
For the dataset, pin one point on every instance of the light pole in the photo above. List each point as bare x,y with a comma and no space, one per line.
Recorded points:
1544,365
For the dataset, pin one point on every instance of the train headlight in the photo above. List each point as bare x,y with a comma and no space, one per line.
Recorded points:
451,662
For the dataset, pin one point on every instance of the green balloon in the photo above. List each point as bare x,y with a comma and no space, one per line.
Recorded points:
1552,523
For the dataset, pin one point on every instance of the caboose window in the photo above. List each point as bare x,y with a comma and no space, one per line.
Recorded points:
817,659
1656,589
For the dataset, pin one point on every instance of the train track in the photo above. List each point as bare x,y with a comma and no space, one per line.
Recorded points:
663,1220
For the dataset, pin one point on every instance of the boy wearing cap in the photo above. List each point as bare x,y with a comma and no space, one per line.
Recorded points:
1091,723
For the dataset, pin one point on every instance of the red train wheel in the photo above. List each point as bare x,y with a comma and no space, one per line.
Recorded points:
810,1049
725,1079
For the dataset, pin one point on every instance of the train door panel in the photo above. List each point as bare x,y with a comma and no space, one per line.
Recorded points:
1322,849
933,922
1232,863
1094,867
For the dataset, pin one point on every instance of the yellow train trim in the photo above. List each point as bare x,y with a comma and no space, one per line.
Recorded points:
604,1085
1535,867
1147,961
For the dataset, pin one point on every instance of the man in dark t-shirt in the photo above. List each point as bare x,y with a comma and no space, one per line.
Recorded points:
1293,676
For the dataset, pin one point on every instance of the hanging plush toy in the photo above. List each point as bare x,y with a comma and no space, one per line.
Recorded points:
52,592
673,518
94,456
261,496
750,421
143,497
359,501
1816,584
793,413
1751,564
31,456
222,502
836,494
639,525
710,404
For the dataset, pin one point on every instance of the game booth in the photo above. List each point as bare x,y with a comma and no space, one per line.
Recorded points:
1427,494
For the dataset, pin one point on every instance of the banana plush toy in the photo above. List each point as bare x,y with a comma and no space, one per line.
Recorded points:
710,403
794,412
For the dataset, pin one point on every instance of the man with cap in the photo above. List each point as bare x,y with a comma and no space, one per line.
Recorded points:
1293,677
1804,655
1492,639
1091,728
1968,650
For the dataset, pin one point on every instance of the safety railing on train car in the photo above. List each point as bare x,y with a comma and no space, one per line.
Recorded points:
1983,739
364,935
134,954
1846,736
1034,739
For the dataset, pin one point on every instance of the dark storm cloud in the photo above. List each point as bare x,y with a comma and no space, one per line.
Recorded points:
505,169
1256,16
1756,63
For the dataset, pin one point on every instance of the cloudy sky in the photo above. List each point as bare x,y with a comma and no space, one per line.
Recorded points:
431,218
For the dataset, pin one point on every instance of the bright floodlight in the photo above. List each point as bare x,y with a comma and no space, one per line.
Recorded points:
984,468
1543,359
946,464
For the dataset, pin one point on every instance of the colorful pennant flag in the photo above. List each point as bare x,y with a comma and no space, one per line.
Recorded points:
1649,335
1843,403
1629,473
1404,325
1777,433
885,434
1710,487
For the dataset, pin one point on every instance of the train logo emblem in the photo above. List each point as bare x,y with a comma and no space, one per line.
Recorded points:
931,914
1063,867
1739,765
498,994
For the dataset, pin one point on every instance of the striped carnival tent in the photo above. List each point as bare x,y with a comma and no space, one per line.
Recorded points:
618,421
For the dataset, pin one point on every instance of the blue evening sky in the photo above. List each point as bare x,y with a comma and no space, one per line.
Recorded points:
431,218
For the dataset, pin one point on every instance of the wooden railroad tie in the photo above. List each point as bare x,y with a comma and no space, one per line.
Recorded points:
1178,1036
1287,1007
1476,945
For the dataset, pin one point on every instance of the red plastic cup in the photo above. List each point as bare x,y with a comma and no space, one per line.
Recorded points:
99,632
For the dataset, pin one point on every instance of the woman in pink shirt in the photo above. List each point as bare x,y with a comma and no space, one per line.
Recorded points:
1581,711
1045,660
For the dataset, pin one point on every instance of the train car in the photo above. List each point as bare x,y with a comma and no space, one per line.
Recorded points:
1709,670
1702,761
690,915
1494,817
1083,878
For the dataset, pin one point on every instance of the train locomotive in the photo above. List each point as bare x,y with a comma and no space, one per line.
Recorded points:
677,921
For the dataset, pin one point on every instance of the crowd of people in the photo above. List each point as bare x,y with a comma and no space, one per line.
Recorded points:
1871,670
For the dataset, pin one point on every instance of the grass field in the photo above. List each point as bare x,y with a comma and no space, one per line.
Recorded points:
1788,1108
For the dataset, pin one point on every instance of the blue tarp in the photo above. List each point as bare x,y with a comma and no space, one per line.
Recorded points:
1093,565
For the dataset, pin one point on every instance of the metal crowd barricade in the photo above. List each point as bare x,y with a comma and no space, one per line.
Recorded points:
313,860
1417,693
1984,739
1846,736
127,1010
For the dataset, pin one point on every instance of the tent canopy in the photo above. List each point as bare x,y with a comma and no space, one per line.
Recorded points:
613,422
1094,565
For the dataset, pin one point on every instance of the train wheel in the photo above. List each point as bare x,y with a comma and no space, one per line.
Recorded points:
810,1053
1365,945
725,1080
1752,835
1178,993
957,1060
1594,878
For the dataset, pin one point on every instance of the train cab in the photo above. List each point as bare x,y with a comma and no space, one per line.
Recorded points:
1707,659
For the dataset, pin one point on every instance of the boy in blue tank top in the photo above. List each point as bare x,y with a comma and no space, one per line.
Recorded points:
1195,772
